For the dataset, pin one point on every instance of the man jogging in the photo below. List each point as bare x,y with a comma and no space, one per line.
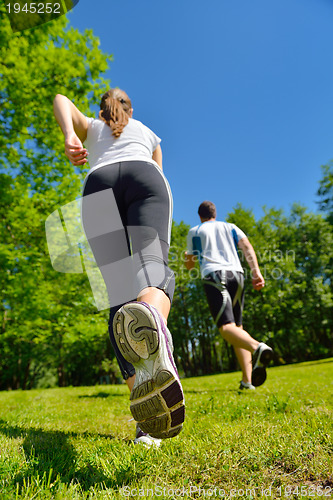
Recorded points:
214,244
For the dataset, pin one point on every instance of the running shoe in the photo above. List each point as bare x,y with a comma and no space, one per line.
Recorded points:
260,359
246,385
144,438
157,399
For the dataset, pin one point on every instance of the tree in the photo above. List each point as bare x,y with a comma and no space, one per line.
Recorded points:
325,191
49,325
196,338
292,313
34,66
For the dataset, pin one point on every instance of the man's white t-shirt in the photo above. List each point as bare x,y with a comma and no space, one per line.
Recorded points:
136,142
215,244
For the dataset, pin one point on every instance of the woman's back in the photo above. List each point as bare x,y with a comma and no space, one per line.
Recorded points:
136,142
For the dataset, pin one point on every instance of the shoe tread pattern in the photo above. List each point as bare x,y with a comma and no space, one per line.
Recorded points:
141,328
260,361
161,409
157,403
266,357
259,376
146,408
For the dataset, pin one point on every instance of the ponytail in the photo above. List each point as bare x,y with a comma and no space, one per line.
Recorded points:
115,109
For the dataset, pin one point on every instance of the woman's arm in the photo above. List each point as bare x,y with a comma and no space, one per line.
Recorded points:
74,126
157,156
69,117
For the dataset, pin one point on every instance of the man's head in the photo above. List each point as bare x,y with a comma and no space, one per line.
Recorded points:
207,211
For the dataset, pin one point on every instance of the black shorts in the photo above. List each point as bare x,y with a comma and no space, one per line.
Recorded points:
128,226
225,294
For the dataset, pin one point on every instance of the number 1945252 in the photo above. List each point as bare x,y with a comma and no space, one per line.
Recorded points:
34,8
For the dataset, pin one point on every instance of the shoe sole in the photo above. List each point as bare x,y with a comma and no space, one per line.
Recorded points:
259,374
157,400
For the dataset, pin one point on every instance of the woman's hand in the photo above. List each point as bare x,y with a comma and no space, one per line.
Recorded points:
74,149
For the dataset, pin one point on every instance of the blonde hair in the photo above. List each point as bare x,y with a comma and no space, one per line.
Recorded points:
115,110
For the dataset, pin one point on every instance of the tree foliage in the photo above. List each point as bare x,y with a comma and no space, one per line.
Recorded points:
293,313
50,330
49,326
325,191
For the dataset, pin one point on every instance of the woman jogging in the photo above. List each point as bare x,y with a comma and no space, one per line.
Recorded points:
125,161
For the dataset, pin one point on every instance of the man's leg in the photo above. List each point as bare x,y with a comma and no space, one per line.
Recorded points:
244,346
238,337
224,291
262,354
245,362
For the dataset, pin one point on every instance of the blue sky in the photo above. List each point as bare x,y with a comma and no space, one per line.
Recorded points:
240,91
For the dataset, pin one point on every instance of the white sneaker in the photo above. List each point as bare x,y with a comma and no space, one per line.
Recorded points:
246,385
143,438
157,399
260,359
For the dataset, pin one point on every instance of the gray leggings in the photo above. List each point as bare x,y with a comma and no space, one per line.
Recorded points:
128,227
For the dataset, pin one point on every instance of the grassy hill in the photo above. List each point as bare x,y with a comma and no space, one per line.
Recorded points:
75,443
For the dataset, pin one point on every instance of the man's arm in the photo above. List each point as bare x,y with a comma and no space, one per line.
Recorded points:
258,281
74,126
189,261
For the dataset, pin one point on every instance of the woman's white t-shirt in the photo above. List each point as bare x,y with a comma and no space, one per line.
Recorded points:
136,142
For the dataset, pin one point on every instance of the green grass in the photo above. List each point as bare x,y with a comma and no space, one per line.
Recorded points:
75,443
